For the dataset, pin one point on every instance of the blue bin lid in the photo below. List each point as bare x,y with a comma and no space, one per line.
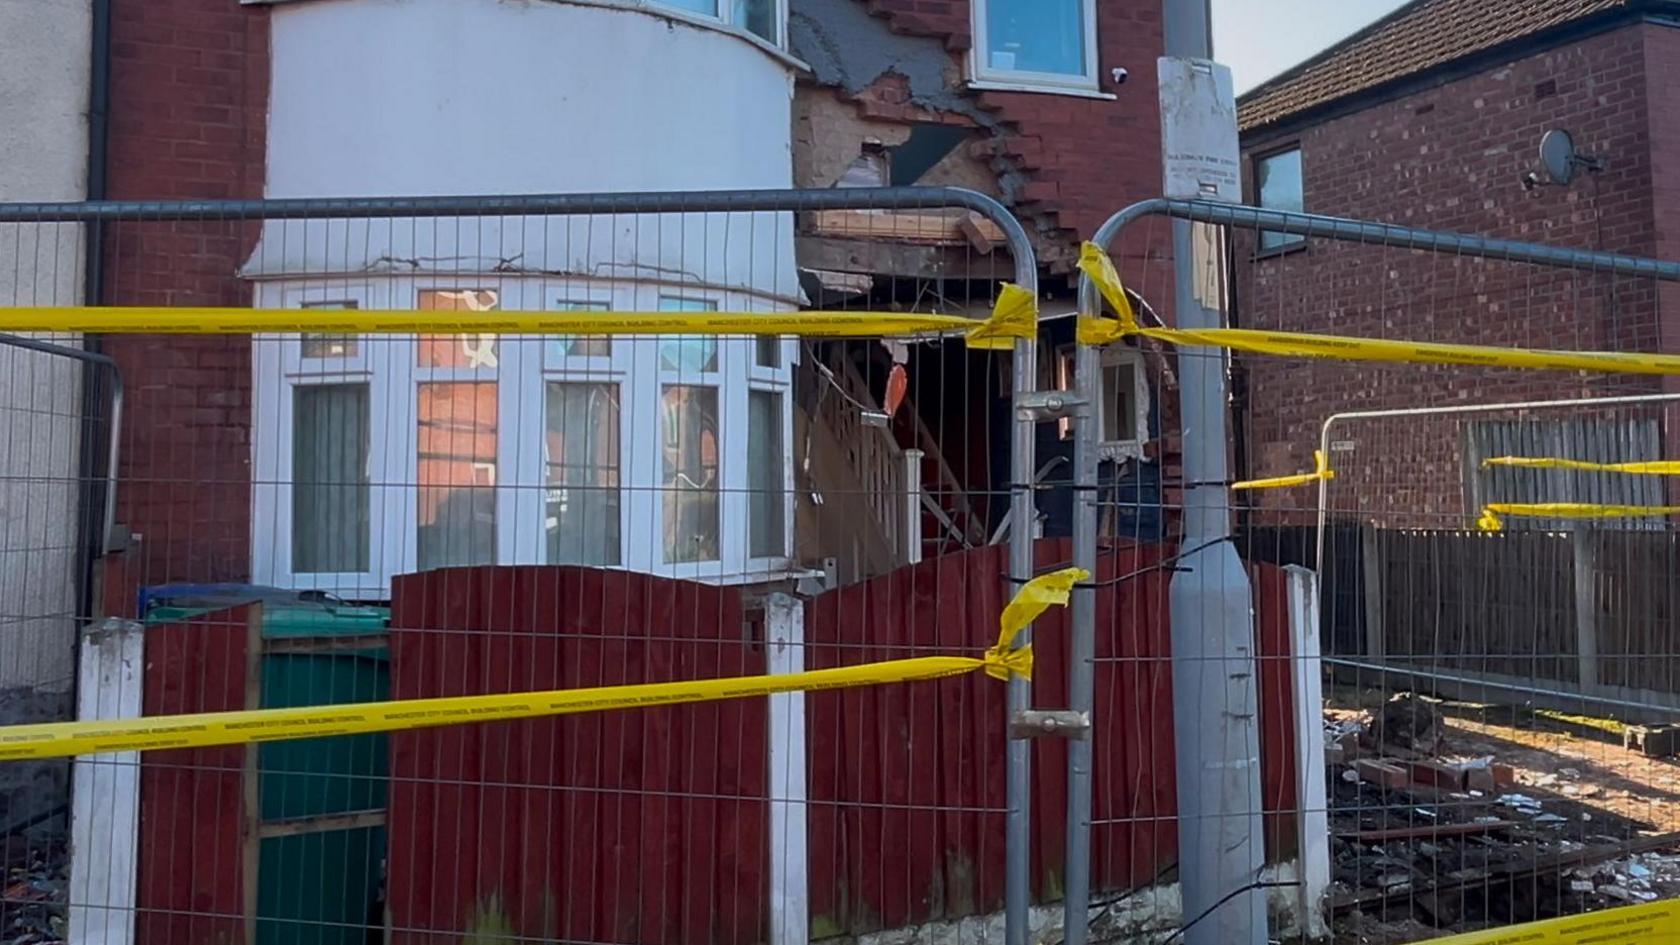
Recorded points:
219,596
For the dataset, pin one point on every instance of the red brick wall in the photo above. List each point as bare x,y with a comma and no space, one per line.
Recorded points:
1452,158
1662,77
1084,157
189,103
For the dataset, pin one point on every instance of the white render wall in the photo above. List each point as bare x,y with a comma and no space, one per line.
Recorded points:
450,97
401,97
44,75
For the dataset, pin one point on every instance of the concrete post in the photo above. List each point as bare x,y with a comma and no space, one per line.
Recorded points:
790,913
1312,798
105,794
1221,848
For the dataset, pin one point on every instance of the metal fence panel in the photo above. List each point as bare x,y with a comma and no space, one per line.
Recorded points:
339,516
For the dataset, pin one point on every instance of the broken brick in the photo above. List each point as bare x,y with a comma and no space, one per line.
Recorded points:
1437,774
1382,772
1490,778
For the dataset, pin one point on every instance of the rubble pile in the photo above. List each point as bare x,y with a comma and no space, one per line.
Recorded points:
1420,834
33,904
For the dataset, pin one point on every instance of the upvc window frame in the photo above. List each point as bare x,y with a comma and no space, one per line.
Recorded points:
723,14
1110,356
388,364
279,369
983,75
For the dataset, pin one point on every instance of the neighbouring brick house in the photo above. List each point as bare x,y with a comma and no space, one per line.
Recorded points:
1432,117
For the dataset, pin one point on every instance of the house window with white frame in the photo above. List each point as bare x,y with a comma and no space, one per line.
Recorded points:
381,455
762,18
1122,408
1046,44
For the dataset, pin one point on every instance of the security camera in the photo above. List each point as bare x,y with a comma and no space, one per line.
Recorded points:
1119,74
1530,181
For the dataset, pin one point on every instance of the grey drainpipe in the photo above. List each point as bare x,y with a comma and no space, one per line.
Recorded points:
97,517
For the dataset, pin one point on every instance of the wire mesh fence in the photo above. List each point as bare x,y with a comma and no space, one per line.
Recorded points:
1479,615
342,515
1415,711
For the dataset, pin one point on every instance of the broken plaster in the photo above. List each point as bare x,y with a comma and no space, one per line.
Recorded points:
848,48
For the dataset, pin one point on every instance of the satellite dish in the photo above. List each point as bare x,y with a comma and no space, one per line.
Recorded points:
1557,156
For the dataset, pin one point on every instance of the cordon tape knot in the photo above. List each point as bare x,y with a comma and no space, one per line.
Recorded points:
1035,597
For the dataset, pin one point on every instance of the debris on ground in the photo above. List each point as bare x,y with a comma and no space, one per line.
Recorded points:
33,903
1653,741
1441,825
1406,721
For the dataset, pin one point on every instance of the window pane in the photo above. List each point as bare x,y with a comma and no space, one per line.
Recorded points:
766,489
317,345
708,7
468,351
330,488
1119,402
757,17
767,351
456,474
1277,181
580,450
689,354
593,346
1036,36
690,472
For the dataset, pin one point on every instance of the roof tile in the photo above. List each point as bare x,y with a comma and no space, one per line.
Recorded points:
1418,36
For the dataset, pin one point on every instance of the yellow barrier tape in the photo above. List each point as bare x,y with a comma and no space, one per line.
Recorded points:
204,730
1093,330
1015,315
1321,473
1648,924
1662,467
1491,522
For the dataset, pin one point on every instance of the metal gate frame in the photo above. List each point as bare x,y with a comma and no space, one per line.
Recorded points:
1083,615
1024,374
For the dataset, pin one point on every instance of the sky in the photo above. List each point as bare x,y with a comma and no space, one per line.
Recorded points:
1260,38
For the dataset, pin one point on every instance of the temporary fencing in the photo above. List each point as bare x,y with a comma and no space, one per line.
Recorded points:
1338,339
442,454
394,466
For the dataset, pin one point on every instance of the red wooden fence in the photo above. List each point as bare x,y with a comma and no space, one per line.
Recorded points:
191,877
907,782
646,826
651,826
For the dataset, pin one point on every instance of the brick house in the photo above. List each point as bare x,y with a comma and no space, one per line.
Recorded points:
1432,117
217,99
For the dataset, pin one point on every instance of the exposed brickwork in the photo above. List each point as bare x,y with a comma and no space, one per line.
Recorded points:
1452,158
1081,158
946,19
189,101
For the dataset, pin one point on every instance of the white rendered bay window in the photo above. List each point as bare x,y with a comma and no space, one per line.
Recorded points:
378,455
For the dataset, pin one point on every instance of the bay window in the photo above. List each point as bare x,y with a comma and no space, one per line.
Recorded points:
379,455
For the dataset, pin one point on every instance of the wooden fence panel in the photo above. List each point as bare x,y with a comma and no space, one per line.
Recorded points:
1637,592
646,826
1479,602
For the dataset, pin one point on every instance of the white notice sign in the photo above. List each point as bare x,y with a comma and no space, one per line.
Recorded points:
1199,130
